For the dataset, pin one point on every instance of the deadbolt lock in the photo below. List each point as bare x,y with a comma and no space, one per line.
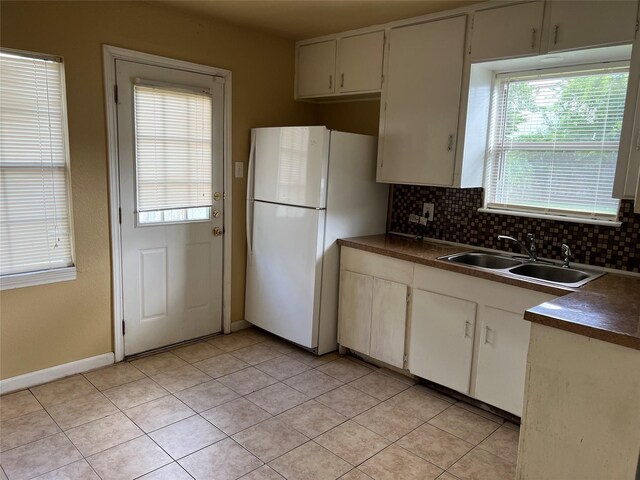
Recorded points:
217,231
216,213
217,196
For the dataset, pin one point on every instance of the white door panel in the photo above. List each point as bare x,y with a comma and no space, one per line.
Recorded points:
171,272
284,271
388,321
441,344
502,358
291,165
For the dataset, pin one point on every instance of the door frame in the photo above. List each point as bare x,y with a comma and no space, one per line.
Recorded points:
110,55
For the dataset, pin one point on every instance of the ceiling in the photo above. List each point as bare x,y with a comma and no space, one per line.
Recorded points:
300,19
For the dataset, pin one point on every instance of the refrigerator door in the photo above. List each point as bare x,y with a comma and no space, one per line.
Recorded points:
284,269
290,165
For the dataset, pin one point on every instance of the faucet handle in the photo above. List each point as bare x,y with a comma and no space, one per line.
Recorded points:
566,253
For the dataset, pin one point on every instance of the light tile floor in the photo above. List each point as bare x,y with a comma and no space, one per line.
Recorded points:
250,406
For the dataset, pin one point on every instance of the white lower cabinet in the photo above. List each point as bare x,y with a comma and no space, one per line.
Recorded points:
457,330
388,321
441,345
373,305
356,293
502,358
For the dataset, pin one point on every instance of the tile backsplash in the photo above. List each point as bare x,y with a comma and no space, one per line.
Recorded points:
457,219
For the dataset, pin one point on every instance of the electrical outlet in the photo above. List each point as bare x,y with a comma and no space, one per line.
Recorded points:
423,221
427,211
413,218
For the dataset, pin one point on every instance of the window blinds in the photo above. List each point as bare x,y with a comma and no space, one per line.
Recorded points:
554,142
173,148
35,226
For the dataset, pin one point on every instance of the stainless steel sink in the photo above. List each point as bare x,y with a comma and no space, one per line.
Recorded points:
550,273
484,260
538,271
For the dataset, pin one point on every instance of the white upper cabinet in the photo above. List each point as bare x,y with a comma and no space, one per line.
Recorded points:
346,65
316,69
420,104
360,63
507,32
582,24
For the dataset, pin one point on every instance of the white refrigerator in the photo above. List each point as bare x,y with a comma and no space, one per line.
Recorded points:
307,187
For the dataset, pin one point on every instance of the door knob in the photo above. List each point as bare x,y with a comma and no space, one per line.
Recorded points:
216,213
217,196
217,231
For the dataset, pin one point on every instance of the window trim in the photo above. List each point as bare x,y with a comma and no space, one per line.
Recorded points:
59,274
531,211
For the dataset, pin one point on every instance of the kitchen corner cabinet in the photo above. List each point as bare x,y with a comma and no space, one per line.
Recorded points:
420,103
346,65
373,305
521,24
582,24
441,344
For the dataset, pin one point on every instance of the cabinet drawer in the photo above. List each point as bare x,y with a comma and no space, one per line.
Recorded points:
379,266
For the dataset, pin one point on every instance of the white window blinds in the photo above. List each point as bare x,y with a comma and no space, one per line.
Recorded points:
173,137
554,142
35,223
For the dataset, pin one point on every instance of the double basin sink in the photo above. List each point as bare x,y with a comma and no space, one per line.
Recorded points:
524,268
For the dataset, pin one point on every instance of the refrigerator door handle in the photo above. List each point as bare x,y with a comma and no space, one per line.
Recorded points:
249,212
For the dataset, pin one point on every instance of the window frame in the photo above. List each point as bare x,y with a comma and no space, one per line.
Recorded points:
59,274
531,211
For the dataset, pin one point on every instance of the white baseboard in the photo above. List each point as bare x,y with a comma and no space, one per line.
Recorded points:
54,373
240,325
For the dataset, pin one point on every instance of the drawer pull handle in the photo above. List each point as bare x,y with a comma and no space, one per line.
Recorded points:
341,80
450,143
555,34
330,82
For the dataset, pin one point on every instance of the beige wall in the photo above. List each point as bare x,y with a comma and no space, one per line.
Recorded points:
356,117
53,324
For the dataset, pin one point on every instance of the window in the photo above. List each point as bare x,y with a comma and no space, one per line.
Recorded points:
36,242
173,136
554,139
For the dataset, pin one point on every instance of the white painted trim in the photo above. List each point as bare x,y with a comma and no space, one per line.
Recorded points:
110,54
31,279
54,373
239,325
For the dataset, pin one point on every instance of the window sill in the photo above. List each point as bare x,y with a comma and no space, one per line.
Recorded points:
31,279
557,218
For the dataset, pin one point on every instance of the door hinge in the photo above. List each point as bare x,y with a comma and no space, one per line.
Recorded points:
120,216
405,359
123,329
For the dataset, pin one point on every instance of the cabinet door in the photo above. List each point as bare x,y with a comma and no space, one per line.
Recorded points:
441,339
388,321
316,68
356,292
521,24
360,63
581,24
502,359
420,114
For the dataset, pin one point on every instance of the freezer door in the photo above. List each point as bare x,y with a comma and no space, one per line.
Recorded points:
290,165
284,270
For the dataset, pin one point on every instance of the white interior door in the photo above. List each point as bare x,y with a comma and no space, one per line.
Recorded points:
170,150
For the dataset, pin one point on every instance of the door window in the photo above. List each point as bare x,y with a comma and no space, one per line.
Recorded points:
173,148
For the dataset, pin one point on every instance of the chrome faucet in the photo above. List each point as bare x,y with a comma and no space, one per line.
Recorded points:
566,253
530,251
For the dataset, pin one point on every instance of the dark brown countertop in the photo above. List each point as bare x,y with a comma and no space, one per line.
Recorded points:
608,308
